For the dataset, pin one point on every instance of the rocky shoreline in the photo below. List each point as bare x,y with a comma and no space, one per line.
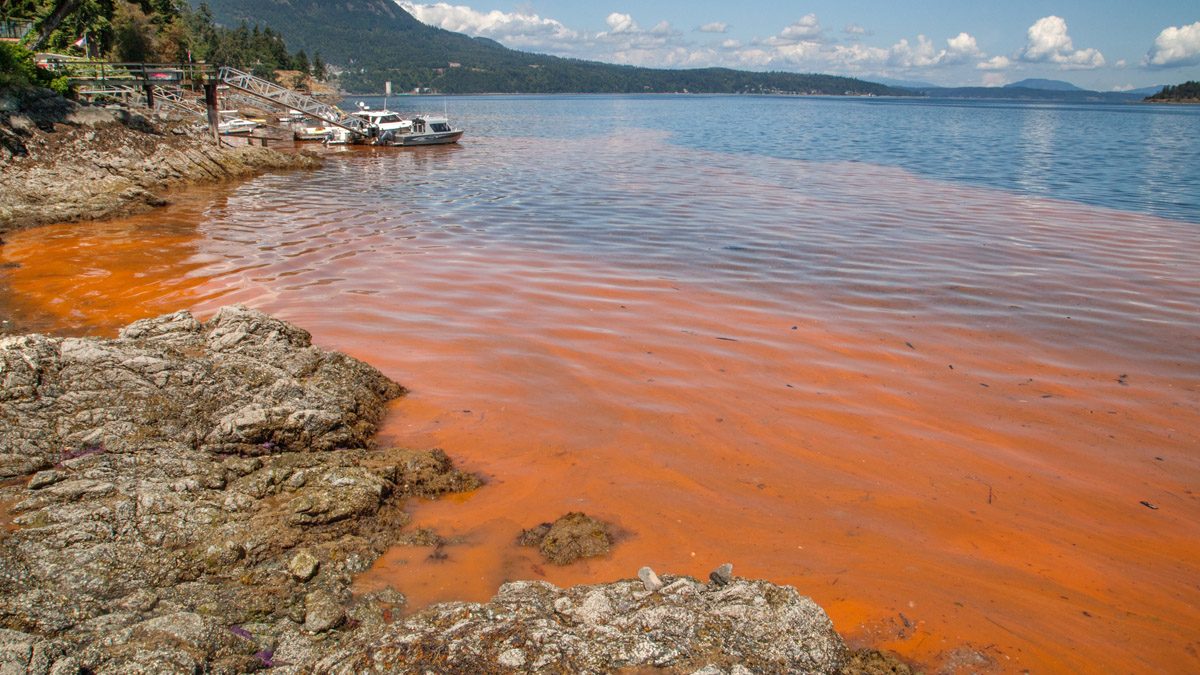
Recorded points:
63,161
198,496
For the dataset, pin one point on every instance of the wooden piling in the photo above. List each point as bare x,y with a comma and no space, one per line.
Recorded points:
210,103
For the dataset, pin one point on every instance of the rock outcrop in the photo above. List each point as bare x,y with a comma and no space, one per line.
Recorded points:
573,536
197,497
61,161
186,478
746,626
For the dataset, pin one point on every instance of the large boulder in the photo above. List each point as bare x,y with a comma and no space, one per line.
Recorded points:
745,626
160,483
242,383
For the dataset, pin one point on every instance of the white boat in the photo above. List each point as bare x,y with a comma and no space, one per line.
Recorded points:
314,133
230,124
385,127
420,130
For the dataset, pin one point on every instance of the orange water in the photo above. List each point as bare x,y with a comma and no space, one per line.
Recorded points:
934,409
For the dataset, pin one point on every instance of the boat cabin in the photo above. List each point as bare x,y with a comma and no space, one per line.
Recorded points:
430,124
384,120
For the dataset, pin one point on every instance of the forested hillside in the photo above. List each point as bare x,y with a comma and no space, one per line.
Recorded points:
1188,92
373,41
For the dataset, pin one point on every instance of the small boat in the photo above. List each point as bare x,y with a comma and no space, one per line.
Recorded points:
386,127
314,133
420,130
230,124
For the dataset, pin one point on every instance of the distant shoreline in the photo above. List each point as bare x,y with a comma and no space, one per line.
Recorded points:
1182,101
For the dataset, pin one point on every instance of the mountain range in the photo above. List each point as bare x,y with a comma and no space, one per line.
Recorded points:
375,41
1059,85
1046,85
370,42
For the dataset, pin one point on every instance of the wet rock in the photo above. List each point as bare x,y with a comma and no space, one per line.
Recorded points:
430,473
44,478
389,596
304,566
650,579
322,612
872,662
192,631
748,626
721,575
573,536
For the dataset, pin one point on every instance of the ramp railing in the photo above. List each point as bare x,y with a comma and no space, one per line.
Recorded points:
282,96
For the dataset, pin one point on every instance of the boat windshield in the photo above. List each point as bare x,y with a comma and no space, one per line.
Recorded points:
390,119
439,126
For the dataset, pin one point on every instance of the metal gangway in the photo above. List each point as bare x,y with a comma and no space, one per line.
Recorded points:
163,84
284,97
173,100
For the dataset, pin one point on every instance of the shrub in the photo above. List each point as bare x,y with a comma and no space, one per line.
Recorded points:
17,71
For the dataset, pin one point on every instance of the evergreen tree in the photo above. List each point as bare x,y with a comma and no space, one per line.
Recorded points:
133,34
318,68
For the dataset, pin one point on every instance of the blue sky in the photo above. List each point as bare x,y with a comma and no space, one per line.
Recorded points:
1096,44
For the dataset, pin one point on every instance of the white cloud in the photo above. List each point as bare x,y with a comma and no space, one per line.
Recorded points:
995,63
994,80
1048,42
620,23
1123,87
805,28
801,46
854,59
960,49
623,42
664,29
1175,47
521,29
904,55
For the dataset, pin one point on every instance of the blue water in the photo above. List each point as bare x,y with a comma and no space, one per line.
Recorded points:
1134,157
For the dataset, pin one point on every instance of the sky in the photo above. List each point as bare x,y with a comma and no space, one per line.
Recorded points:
1105,45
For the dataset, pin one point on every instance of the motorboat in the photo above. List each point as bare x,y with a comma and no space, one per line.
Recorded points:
230,124
420,130
386,127
314,132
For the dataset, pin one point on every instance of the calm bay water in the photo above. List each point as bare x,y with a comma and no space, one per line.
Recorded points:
1128,156
922,359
